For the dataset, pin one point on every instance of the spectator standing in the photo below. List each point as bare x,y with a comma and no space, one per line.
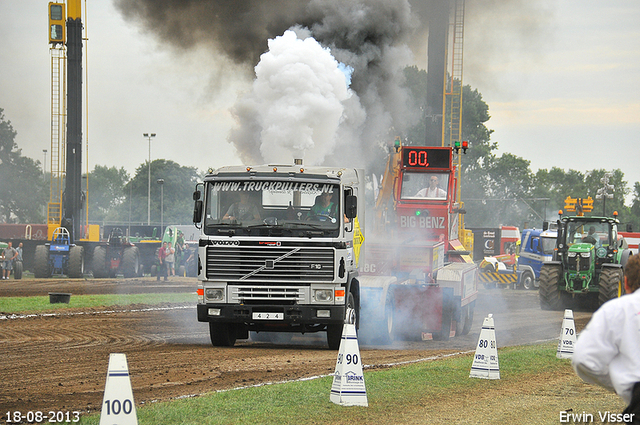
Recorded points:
170,259
19,249
162,264
606,352
9,254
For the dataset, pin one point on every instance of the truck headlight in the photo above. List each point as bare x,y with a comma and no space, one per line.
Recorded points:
585,254
323,295
214,294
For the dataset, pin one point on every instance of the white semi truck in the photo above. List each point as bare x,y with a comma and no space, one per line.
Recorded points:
278,250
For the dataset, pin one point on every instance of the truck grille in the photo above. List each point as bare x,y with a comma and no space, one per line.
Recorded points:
266,294
250,264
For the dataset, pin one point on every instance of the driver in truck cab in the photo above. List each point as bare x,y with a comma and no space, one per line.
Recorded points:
325,207
242,210
433,190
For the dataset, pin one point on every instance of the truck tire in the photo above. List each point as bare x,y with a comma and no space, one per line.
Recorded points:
391,322
526,280
99,263
610,285
463,326
550,297
445,330
334,332
76,262
222,334
41,268
131,262
17,269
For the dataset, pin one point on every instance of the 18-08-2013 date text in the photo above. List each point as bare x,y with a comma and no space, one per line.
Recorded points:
31,416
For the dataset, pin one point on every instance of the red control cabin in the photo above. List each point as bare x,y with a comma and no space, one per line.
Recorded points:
415,270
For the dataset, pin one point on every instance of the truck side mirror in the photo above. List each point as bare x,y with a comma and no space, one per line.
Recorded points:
197,212
351,206
534,245
197,208
197,194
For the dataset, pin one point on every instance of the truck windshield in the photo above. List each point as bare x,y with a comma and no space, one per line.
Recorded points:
272,208
548,244
424,185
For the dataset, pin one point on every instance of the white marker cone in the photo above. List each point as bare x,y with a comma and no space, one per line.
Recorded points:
118,407
567,336
485,362
348,380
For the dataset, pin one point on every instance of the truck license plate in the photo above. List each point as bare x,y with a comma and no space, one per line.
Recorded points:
268,316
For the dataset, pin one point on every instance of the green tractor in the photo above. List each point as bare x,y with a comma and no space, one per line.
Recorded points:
588,264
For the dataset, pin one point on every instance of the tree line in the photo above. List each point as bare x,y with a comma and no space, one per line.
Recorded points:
503,189
495,189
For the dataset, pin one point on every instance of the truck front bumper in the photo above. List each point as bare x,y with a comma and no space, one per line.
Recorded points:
291,314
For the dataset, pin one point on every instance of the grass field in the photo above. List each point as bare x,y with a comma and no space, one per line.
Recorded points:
13,305
534,388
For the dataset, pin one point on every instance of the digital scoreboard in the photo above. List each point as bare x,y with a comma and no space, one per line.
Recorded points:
426,158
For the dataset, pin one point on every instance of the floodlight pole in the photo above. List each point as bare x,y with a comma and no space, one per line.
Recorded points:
149,136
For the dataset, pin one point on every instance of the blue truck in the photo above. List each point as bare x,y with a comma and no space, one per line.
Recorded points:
536,247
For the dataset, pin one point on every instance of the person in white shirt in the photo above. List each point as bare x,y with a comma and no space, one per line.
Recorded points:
433,191
606,352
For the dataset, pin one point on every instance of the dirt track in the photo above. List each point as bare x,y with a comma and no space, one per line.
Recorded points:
59,362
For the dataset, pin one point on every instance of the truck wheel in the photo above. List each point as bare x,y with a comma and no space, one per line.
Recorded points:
526,280
610,285
222,334
391,328
463,326
334,332
131,262
445,329
550,298
17,270
76,262
334,336
41,269
99,263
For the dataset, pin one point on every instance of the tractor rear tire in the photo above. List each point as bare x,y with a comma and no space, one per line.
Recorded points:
41,268
610,285
131,262
99,263
76,262
550,297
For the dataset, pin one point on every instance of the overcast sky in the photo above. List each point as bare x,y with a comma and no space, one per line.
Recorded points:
562,91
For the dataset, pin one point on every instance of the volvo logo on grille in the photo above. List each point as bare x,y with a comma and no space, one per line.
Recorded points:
269,264
236,243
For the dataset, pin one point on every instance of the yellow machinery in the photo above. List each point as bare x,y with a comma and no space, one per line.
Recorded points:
59,14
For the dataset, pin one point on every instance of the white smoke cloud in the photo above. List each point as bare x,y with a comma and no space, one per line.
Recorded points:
298,101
